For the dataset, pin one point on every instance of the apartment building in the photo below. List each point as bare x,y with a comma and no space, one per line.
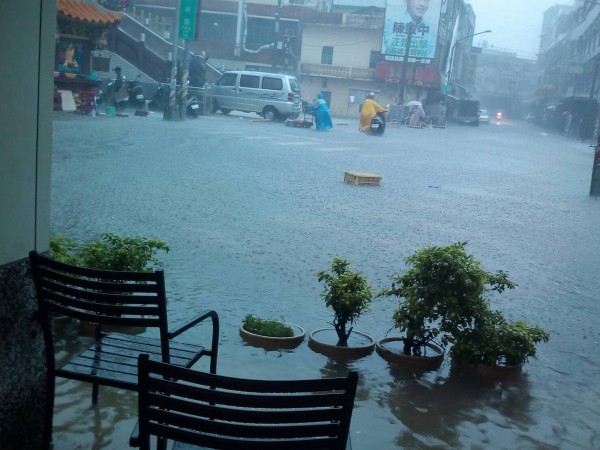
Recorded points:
569,82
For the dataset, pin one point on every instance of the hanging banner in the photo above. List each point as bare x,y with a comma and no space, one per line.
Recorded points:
414,24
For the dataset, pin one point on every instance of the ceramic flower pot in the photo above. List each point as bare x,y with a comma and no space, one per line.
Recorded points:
391,349
324,341
268,342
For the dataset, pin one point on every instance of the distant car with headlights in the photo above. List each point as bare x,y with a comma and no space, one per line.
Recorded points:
484,116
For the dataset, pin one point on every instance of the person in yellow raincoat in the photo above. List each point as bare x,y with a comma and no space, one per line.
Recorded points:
368,110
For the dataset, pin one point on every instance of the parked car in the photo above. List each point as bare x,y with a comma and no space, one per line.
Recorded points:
484,116
271,95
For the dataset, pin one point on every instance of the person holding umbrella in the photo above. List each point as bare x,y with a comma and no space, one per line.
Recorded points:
417,114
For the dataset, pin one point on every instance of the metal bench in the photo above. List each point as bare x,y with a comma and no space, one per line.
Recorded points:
203,410
110,298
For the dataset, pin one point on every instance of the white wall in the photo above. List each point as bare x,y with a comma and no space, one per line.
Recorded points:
27,30
352,46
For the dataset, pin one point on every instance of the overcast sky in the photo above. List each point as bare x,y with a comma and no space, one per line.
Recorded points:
515,24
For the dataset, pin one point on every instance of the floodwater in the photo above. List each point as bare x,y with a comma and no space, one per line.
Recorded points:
252,210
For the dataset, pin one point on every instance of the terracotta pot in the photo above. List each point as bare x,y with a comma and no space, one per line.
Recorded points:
323,341
393,355
269,342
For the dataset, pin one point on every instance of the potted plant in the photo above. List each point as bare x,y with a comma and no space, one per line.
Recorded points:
271,333
495,345
109,252
114,252
348,294
443,293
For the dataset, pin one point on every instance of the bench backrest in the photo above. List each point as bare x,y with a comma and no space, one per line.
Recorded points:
220,412
101,297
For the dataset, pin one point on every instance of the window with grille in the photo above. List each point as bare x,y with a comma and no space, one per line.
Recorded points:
327,55
374,59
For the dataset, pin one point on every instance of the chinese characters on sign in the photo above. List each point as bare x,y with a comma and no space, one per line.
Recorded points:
410,29
187,19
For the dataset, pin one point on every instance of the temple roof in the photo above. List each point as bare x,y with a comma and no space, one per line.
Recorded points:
87,11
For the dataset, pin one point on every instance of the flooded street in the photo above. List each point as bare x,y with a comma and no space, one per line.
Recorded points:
251,210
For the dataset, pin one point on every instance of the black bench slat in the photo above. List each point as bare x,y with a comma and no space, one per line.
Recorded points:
236,414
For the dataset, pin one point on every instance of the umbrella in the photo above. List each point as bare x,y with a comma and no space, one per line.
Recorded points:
413,103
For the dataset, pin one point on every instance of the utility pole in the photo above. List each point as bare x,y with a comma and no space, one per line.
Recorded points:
409,32
184,81
595,184
592,91
171,110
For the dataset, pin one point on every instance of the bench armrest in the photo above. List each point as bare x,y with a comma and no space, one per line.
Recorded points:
214,346
200,318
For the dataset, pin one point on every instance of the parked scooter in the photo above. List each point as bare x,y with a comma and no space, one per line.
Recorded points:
192,107
160,99
136,93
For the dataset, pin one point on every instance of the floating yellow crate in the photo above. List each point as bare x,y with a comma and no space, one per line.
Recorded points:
362,178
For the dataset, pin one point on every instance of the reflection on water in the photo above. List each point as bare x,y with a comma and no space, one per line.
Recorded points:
250,221
435,409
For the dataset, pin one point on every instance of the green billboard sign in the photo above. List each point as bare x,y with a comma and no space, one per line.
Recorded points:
187,19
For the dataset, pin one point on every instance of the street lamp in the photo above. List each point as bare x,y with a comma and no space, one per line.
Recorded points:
454,50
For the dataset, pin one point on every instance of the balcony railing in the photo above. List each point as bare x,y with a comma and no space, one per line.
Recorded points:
326,70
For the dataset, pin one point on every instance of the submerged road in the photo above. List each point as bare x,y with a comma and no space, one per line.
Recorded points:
252,210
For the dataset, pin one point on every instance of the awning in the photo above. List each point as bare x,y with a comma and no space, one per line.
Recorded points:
87,11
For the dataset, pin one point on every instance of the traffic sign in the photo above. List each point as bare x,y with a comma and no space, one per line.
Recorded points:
187,19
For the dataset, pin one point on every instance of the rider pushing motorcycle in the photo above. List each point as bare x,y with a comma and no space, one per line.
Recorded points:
370,108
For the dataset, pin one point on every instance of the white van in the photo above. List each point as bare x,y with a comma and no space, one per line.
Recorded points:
271,95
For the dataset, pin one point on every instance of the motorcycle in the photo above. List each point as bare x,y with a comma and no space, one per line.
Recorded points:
305,119
499,117
160,99
136,94
192,107
378,124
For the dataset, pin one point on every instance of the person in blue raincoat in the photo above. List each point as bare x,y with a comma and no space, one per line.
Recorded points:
322,116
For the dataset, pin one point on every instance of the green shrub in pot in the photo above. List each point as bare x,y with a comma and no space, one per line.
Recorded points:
347,293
